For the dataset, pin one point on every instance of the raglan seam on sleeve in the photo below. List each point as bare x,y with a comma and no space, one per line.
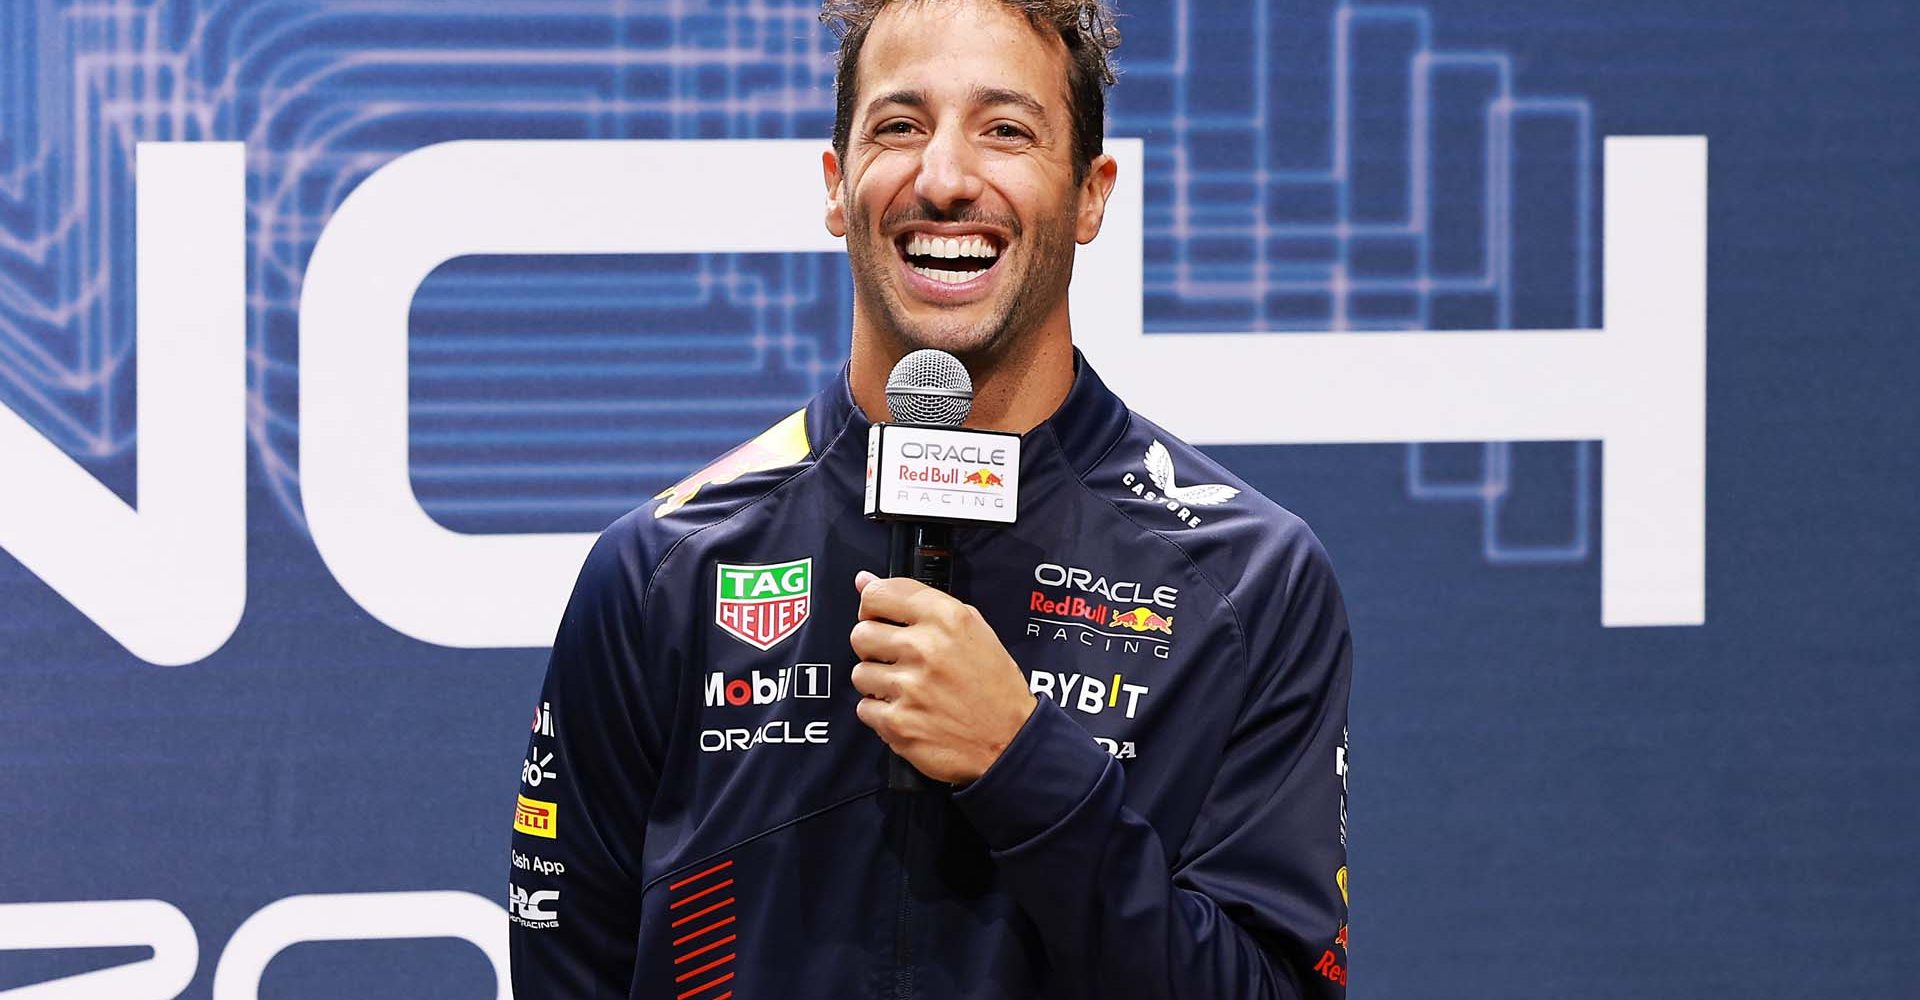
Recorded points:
769,831
1239,628
816,460
1320,720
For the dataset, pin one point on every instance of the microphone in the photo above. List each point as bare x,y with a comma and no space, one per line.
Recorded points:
930,388
926,475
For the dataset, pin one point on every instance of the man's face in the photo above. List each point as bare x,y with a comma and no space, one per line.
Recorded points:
957,197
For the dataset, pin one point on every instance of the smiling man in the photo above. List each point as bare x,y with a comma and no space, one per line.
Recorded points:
1135,708
966,164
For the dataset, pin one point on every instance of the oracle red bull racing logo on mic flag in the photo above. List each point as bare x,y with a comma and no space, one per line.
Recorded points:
762,605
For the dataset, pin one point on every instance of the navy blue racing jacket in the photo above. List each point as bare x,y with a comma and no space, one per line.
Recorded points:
702,816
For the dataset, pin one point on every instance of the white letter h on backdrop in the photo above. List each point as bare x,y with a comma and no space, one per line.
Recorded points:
168,581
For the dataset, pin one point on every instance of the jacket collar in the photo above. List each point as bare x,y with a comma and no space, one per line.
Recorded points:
1085,426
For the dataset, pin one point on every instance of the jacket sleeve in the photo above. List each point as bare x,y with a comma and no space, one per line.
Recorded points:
586,785
1254,903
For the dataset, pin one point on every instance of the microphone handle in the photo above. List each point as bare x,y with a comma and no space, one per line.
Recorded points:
922,552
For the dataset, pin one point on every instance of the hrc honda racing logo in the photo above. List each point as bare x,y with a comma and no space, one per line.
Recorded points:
1071,604
530,909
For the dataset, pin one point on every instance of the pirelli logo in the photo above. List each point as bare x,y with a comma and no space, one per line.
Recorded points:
536,818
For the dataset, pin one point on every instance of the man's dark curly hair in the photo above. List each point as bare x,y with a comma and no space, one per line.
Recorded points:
1086,26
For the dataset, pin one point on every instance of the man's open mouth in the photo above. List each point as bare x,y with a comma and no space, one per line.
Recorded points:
949,259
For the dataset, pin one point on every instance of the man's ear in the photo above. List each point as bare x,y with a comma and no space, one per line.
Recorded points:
836,208
1094,192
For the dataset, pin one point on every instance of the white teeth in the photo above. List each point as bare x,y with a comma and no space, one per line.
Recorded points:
922,245
949,277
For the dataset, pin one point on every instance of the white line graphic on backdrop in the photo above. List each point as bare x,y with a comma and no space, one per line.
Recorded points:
353,916
360,916
116,923
1639,386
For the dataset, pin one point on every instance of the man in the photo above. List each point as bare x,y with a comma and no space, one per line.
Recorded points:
1135,711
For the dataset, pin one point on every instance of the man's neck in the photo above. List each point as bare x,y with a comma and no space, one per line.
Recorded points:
1015,392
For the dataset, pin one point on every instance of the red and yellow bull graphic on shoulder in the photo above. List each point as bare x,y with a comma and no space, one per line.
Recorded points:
785,443
763,605
1072,604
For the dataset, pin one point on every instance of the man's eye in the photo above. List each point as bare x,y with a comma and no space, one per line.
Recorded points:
896,128
1007,131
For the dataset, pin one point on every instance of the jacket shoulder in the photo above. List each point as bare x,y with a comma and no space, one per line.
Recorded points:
717,492
1245,542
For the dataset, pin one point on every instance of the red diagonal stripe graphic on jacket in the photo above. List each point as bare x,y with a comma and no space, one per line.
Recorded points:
705,986
697,914
684,900
705,948
700,875
716,963
703,886
690,935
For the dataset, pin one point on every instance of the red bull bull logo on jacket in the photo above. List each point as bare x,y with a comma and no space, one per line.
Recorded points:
1143,620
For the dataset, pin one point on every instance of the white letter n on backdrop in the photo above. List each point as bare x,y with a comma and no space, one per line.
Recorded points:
492,197
167,577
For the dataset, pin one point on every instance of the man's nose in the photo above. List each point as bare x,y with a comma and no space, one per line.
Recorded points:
949,170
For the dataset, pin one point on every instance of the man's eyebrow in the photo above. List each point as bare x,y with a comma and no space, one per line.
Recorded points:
1000,95
904,98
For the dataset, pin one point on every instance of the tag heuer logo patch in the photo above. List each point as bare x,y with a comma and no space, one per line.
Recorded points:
761,605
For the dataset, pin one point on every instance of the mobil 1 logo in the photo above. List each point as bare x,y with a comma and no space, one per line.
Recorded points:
802,680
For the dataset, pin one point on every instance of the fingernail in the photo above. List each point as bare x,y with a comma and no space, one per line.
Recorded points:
862,578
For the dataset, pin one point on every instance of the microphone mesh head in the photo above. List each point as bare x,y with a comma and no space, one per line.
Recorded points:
929,387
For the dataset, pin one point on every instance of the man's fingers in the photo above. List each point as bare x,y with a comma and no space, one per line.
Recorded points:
876,715
882,642
877,680
887,598
899,599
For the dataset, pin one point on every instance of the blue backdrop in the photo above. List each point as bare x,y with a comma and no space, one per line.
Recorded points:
1540,807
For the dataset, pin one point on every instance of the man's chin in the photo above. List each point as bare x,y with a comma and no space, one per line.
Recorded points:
963,338
962,332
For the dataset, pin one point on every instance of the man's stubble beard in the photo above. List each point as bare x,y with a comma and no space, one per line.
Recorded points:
1024,300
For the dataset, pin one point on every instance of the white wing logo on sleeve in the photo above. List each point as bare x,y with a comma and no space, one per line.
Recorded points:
1160,470
1179,500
